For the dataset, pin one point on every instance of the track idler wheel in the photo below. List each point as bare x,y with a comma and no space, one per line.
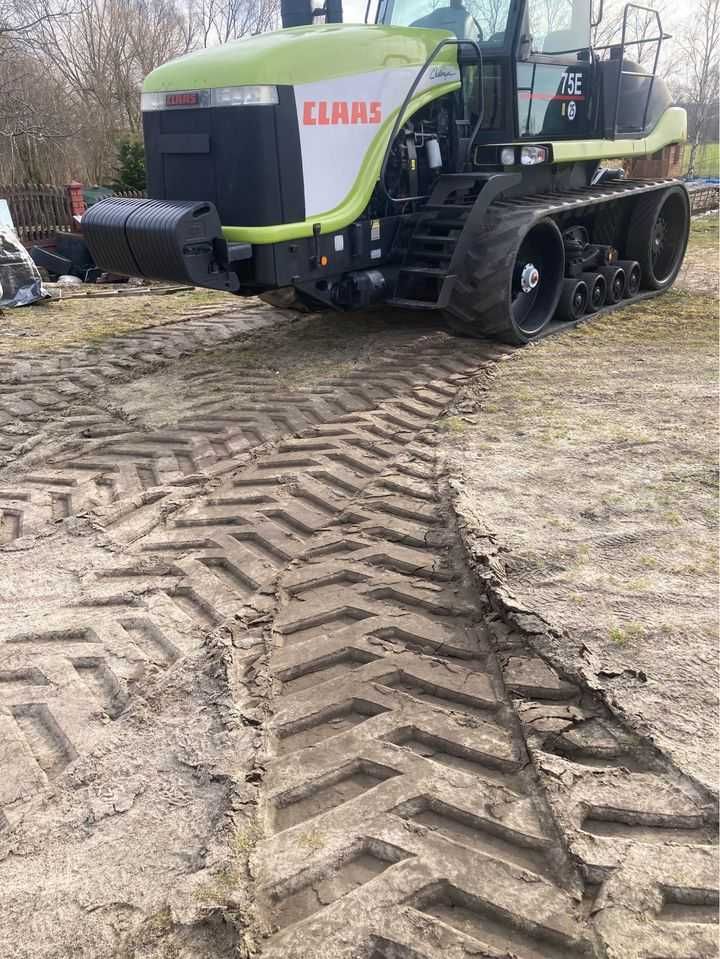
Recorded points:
597,288
536,281
632,277
615,283
658,234
573,301
511,280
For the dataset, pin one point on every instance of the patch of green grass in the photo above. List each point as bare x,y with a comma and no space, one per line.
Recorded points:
55,324
311,841
221,888
672,517
707,159
452,424
244,840
153,934
582,554
623,636
217,891
704,233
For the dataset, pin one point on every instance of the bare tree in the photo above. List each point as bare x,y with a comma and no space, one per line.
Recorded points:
218,21
491,15
29,128
15,23
700,46
641,25
97,53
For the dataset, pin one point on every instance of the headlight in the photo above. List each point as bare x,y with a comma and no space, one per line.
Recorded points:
217,97
529,156
243,96
507,156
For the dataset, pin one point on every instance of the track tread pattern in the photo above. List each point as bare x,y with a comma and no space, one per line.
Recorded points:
479,302
420,786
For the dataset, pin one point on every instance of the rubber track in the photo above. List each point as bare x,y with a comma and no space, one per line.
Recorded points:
479,295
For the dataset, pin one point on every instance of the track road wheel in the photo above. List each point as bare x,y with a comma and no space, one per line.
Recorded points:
511,280
658,234
573,301
597,288
632,277
615,279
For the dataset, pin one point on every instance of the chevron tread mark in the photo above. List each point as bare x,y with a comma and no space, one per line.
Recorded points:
385,665
385,655
104,465
64,677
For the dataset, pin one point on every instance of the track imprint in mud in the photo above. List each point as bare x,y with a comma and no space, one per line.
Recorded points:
430,786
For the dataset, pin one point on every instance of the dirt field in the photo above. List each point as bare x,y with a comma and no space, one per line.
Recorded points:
592,467
98,314
262,696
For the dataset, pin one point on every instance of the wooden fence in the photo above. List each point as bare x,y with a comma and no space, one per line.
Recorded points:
38,211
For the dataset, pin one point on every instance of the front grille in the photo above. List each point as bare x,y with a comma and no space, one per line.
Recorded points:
246,160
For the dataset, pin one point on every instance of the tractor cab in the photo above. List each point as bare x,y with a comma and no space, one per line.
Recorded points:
531,72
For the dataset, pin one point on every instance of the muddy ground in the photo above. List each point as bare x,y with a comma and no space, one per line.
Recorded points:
592,468
284,667
92,313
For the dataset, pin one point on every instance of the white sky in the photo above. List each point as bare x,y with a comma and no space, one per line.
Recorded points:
354,10
672,14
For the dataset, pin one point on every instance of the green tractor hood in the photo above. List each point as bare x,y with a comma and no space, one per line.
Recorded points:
300,55
344,67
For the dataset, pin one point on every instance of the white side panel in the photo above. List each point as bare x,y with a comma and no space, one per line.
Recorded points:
338,120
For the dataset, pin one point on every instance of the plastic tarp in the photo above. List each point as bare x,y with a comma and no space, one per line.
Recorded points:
20,282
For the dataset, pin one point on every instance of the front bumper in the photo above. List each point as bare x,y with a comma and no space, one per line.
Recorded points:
182,241
179,240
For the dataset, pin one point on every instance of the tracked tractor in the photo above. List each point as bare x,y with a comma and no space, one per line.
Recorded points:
444,157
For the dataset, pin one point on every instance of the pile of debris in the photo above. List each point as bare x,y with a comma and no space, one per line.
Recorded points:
48,270
20,282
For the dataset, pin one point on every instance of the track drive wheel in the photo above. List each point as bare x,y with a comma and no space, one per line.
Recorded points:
516,284
658,234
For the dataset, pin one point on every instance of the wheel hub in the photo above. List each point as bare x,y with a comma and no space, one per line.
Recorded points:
529,278
658,238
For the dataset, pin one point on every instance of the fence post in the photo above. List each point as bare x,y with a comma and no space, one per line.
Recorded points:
76,198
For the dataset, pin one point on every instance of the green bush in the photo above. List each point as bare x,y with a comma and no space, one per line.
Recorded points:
130,166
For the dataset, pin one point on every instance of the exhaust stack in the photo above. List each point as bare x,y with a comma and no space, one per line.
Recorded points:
300,13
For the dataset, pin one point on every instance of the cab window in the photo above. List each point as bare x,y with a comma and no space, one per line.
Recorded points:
482,20
559,26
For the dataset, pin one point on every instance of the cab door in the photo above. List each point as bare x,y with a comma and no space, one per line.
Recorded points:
554,70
